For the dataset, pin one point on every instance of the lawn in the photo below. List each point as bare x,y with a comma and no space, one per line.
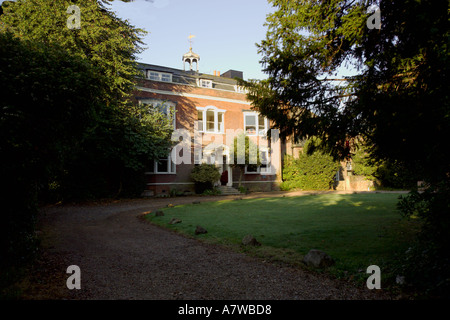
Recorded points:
356,230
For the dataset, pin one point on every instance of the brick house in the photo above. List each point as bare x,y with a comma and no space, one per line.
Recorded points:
207,107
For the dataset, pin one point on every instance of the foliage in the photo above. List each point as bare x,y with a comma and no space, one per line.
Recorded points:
109,43
398,100
309,172
246,156
46,107
394,174
68,128
204,176
115,153
391,174
243,189
363,165
427,262
395,103
212,192
249,155
120,138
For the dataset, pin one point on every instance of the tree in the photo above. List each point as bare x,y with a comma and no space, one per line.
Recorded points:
204,176
45,109
314,171
123,138
66,121
362,164
397,102
110,43
245,153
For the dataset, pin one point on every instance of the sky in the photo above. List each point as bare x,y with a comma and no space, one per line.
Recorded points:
226,32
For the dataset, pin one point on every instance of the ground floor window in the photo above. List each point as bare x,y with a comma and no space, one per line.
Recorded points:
264,167
163,166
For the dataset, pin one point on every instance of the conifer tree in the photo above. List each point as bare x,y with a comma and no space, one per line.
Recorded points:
397,102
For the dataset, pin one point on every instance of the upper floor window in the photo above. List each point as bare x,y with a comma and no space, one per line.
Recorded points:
255,124
165,107
210,120
204,83
159,76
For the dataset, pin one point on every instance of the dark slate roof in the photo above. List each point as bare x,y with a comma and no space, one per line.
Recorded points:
190,77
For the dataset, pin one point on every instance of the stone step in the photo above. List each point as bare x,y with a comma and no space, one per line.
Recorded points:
226,190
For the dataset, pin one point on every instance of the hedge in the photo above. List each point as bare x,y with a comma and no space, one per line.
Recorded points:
309,172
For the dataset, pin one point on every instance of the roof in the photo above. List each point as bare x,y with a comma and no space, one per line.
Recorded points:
191,77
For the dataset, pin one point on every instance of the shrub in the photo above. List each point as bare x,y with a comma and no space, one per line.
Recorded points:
212,192
391,174
204,177
395,175
244,190
309,172
362,164
426,264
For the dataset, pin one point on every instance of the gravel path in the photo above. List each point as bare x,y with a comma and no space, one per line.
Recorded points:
121,256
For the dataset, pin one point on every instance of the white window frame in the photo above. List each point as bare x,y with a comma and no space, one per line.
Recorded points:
171,166
159,76
256,115
217,129
251,172
205,83
265,170
157,103
260,170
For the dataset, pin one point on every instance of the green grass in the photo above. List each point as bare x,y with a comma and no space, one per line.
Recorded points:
357,230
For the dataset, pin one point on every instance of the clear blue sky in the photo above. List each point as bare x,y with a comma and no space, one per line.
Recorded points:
225,32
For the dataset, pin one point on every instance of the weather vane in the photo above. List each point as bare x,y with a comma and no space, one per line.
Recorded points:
190,40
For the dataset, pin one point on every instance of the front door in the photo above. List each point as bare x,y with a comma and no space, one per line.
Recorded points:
225,172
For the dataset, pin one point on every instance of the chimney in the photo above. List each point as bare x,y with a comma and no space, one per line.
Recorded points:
233,74
218,73
215,73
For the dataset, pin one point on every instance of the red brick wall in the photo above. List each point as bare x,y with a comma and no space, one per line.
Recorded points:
186,115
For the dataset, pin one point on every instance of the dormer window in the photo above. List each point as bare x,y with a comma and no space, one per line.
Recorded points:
205,83
240,89
159,76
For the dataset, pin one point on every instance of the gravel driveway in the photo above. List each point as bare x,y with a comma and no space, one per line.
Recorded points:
121,256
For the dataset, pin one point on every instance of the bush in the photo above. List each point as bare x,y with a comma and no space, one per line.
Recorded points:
204,177
243,190
427,263
212,192
309,172
395,175
391,174
362,164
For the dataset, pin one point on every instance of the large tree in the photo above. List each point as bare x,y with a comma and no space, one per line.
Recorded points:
124,136
396,103
66,121
49,99
110,43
